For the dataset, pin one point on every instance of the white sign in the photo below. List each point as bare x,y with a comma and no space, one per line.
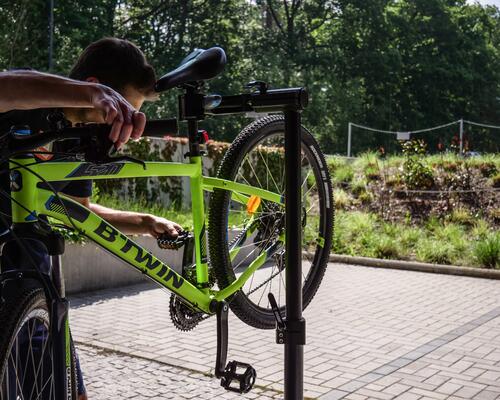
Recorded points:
403,135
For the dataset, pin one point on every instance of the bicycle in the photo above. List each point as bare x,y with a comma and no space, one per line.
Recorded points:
244,258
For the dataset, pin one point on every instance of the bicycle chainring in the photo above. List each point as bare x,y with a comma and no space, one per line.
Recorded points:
182,316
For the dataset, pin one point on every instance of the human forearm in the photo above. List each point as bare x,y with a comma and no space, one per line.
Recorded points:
128,222
132,223
21,90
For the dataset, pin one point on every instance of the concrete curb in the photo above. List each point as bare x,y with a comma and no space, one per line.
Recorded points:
417,266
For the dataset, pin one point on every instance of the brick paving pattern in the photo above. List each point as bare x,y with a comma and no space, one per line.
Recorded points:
371,334
112,376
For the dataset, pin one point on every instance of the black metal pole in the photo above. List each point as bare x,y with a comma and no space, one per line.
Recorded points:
294,349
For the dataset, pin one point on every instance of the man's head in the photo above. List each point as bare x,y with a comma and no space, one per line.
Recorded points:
119,64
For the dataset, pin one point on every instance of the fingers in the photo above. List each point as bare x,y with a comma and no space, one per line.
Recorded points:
139,121
126,127
168,227
125,120
117,127
109,110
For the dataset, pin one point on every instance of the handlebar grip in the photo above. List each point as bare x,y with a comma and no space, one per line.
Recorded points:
160,128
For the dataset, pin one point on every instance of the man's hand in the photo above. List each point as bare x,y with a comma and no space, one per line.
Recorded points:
155,226
127,122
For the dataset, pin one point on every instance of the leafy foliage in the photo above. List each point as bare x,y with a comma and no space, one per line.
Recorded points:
487,251
416,174
385,63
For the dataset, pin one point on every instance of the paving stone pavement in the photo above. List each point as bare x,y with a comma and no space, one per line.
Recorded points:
111,376
371,334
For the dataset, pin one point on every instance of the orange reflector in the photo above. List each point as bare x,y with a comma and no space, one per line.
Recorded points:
253,204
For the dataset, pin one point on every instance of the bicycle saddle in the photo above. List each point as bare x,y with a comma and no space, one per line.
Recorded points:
200,65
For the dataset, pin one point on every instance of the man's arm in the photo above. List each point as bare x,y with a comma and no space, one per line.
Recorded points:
22,90
132,223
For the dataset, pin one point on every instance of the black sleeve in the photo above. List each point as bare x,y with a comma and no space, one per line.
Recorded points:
78,188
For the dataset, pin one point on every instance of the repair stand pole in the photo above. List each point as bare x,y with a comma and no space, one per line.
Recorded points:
294,349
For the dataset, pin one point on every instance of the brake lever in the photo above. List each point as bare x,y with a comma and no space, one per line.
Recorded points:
99,149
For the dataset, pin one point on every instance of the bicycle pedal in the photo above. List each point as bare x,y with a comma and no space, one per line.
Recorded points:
245,380
166,242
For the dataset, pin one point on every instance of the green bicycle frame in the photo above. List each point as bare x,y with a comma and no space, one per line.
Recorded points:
36,201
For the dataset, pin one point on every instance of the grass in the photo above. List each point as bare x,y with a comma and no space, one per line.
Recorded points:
365,234
343,174
487,251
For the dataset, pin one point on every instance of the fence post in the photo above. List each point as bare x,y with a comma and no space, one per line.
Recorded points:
349,133
461,136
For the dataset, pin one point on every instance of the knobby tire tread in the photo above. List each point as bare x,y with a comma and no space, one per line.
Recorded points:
217,226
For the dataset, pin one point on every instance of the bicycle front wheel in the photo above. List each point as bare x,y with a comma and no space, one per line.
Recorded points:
245,230
26,348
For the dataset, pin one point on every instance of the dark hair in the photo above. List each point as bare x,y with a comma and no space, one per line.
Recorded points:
116,63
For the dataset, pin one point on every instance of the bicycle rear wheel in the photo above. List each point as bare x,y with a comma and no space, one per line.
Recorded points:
243,230
26,348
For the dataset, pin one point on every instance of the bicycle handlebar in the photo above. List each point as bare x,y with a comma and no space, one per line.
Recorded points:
11,143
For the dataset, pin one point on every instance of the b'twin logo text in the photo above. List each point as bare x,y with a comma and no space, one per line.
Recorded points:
108,233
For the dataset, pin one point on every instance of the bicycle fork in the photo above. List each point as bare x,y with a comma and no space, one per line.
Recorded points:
228,374
61,335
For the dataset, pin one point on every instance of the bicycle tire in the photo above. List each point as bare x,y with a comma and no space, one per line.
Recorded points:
27,312
219,229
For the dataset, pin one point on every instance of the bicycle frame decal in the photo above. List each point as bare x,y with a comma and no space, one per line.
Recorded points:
95,170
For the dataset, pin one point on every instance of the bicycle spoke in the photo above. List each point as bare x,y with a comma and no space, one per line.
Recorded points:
254,173
18,383
35,378
267,169
42,362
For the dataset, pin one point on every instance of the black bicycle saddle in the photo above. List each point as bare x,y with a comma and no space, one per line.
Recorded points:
200,65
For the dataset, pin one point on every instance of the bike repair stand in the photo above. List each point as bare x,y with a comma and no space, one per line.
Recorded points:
290,330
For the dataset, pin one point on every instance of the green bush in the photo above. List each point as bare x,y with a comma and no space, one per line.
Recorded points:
334,163
433,251
452,234
372,172
416,175
358,187
387,247
341,198
461,216
343,174
487,251
366,197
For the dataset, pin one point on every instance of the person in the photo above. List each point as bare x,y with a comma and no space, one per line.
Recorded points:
27,89
105,64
